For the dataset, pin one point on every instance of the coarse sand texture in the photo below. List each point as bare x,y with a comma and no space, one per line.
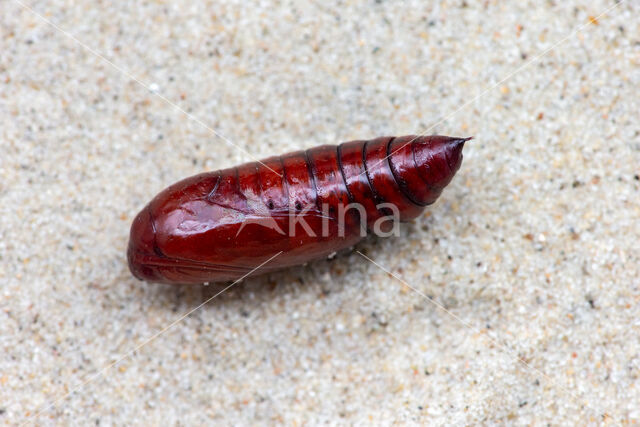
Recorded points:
512,300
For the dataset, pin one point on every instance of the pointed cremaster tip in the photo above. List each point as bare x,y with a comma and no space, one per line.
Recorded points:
454,152
461,141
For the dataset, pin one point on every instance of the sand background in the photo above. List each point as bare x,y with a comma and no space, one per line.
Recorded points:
533,249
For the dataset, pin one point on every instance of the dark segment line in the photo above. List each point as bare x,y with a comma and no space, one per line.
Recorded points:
344,178
399,180
311,169
366,170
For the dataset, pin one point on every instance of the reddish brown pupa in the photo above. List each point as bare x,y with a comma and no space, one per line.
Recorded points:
219,226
